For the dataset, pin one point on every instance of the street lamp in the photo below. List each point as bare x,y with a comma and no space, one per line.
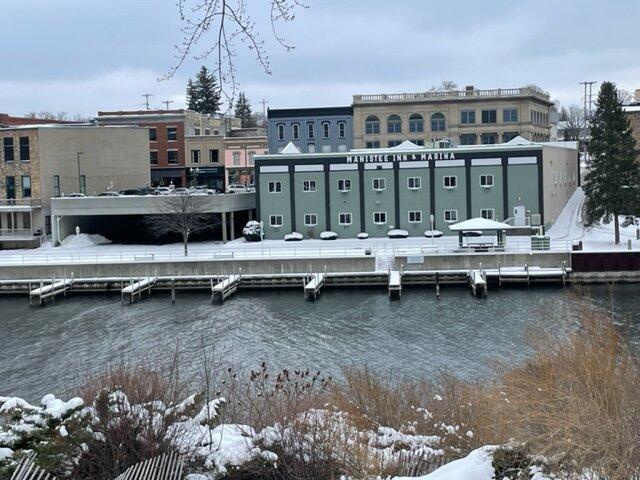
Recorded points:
79,178
195,172
432,220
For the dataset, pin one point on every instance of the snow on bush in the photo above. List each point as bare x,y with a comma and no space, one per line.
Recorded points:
84,240
432,233
252,231
363,235
293,237
398,233
328,235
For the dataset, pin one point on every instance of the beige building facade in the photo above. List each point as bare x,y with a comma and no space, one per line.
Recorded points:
38,163
461,117
205,161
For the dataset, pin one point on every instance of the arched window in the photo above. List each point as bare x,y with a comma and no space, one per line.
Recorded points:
280,131
438,123
416,123
372,125
295,130
394,124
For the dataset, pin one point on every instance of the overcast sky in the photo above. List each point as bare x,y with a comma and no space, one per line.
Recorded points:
80,56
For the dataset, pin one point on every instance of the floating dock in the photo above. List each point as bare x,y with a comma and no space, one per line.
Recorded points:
223,290
313,286
395,284
137,288
50,290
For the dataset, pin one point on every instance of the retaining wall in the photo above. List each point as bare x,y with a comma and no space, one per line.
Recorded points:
488,260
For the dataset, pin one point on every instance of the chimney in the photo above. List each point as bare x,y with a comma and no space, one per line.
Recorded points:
637,95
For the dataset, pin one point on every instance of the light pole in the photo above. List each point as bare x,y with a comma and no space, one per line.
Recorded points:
432,220
195,172
79,182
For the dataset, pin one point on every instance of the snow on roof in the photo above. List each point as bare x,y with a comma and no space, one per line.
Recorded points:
518,141
632,108
479,224
290,149
406,145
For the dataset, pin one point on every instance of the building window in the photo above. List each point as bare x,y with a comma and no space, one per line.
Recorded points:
451,216
311,148
342,129
374,144
8,149
418,142
213,156
489,116
488,213
83,184
56,185
325,130
379,184
26,186
489,138
280,128
207,131
251,155
414,183
275,220
153,134
416,123
344,219
295,131
310,219
467,117
508,136
326,148
468,139
438,123
450,181
195,156
196,131
275,187
172,134
343,148
415,216
509,115
24,149
153,157
379,218
393,143
344,185
372,125
394,124
172,156
311,131
309,186
486,180
11,187
236,158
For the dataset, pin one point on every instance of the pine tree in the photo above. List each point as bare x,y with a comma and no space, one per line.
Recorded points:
243,111
203,94
612,185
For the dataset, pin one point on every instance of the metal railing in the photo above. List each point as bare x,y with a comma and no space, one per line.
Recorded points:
20,202
450,94
17,232
199,254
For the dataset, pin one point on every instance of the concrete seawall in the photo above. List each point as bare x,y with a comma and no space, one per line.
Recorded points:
488,260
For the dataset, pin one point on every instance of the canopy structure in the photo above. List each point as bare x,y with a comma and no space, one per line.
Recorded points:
481,225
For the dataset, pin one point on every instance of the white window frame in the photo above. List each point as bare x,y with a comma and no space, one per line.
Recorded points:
307,184
444,181
277,186
382,184
451,220
326,130
310,223
419,179
172,127
382,221
419,212
276,217
280,132
487,175
342,129
311,131
344,180
295,131
492,210
350,217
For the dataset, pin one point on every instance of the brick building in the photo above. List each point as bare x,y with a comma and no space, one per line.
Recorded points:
633,112
240,146
7,120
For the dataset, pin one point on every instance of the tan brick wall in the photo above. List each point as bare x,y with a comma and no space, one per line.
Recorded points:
18,168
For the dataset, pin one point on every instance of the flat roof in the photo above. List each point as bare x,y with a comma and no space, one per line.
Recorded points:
54,126
309,112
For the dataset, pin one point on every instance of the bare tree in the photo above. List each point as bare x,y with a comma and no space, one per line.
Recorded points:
219,24
624,96
181,214
575,123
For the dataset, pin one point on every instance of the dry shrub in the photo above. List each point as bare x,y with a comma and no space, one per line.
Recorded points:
577,400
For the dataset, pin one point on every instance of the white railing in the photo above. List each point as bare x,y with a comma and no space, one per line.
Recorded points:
435,95
17,232
20,202
278,252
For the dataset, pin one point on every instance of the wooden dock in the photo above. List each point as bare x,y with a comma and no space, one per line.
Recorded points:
224,289
50,290
395,284
137,288
313,286
478,282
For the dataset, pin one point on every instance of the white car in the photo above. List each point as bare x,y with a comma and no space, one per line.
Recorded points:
109,193
163,190
236,188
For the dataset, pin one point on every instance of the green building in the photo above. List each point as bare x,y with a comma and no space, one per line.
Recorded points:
377,190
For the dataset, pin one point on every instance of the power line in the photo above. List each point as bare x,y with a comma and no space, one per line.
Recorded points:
146,99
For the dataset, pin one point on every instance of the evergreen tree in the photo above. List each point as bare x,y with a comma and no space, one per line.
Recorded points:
612,185
243,111
203,94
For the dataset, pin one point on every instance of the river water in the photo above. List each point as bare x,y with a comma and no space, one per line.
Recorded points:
49,349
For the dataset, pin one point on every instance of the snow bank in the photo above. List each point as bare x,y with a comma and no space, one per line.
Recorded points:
85,240
475,466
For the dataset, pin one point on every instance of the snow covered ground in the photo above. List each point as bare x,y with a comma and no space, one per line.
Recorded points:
93,249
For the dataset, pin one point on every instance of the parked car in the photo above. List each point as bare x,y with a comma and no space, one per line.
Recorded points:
109,193
163,191
76,195
181,191
202,190
236,188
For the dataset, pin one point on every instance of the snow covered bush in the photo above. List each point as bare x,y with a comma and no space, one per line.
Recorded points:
252,231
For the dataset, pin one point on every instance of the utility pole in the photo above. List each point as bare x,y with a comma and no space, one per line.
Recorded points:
264,107
588,99
167,103
146,99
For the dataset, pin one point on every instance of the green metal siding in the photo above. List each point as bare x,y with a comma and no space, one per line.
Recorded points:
412,200
379,201
345,202
275,204
523,187
450,198
482,197
310,202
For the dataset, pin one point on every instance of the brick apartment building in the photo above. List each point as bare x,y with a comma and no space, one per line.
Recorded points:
168,130
7,120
